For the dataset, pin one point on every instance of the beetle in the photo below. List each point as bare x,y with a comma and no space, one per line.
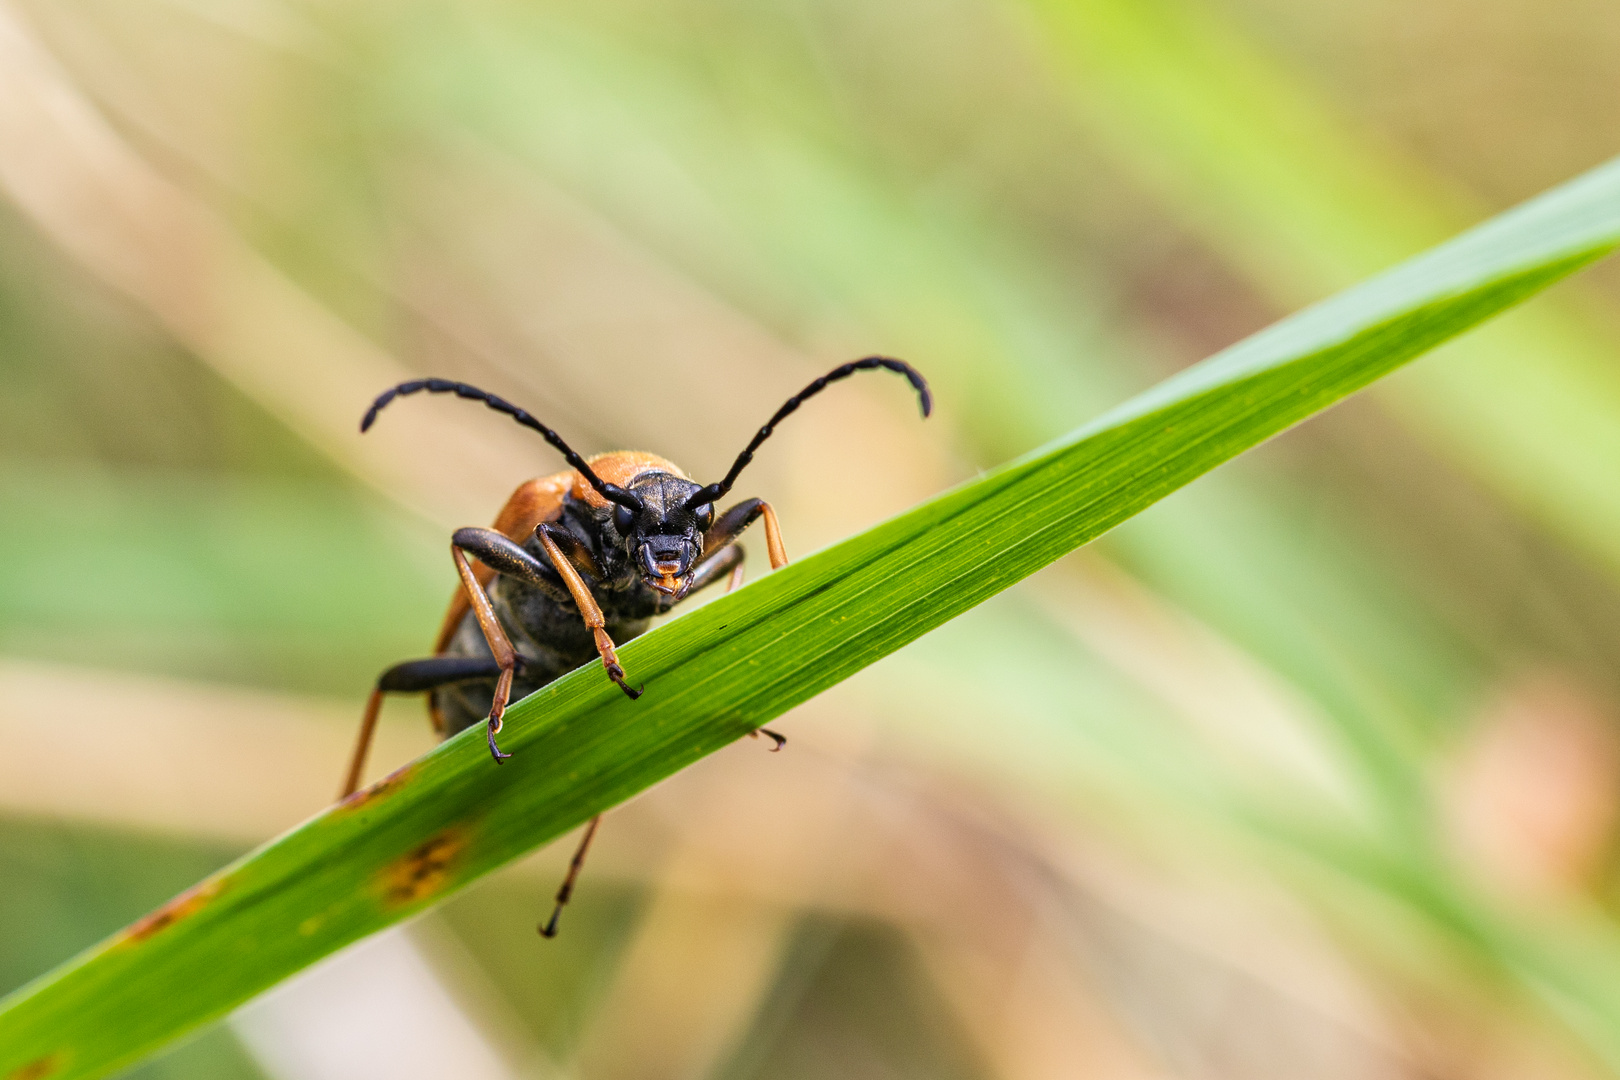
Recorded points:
576,563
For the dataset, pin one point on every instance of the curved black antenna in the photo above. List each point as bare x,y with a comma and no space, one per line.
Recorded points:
611,492
843,371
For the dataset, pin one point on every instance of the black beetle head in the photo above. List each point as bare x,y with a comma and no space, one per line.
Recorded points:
664,537
661,518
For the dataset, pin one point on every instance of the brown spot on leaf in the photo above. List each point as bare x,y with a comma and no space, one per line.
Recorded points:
187,903
38,1069
382,788
424,870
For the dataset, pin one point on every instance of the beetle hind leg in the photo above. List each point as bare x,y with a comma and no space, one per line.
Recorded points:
362,747
549,928
731,524
779,740
413,676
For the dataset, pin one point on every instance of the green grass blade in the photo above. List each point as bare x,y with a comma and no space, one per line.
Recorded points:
580,746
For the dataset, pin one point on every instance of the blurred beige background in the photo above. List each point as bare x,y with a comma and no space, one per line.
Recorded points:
1309,772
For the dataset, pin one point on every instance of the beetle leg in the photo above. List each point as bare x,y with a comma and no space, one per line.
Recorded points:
504,556
413,676
362,747
731,524
507,557
567,890
588,610
773,537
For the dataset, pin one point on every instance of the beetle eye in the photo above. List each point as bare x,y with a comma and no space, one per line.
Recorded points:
705,517
623,519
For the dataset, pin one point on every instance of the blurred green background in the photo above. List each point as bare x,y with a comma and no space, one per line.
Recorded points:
1310,772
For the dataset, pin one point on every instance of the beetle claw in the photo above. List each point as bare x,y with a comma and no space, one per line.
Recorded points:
494,747
779,740
616,673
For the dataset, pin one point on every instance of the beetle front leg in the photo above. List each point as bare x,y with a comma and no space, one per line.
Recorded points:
503,556
588,610
499,645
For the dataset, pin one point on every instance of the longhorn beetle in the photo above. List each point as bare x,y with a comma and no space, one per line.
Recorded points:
575,563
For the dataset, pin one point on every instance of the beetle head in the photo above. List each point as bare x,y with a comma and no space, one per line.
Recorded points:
664,536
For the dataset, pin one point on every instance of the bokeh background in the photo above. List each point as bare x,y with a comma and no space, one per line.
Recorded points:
1310,772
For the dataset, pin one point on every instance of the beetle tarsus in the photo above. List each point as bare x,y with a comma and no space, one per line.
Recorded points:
616,673
779,741
494,748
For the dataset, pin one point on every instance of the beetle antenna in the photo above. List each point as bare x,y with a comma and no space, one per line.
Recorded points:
611,492
843,371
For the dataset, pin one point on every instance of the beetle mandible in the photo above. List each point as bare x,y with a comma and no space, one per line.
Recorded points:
576,563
